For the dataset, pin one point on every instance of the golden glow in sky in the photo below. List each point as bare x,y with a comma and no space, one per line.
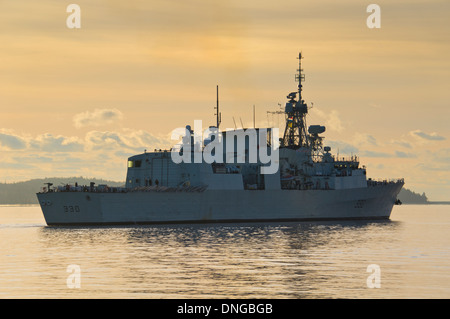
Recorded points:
77,102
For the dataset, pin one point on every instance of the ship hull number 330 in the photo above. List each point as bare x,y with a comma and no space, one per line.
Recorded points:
71,209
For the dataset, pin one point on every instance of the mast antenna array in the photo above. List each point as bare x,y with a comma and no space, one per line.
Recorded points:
300,77
218,114
295,135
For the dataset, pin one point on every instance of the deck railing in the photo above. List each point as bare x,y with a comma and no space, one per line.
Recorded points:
377,182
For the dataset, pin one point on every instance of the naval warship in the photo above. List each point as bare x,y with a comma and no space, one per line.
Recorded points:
303,180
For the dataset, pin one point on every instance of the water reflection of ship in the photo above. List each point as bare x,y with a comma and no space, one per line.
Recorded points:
256,259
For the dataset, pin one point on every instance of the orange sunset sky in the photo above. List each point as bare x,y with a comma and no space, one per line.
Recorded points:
77,102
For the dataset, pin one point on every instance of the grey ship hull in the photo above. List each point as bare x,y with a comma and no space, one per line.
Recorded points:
89,208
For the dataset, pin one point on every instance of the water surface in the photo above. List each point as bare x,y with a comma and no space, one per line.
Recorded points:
251,260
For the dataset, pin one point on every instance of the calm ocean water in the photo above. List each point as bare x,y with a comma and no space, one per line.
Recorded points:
254,260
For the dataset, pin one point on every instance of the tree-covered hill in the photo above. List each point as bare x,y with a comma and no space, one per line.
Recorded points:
410,197
25,192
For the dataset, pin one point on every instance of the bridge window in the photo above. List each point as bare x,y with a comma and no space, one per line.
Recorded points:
137,163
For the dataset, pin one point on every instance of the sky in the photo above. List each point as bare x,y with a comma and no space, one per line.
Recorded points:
79,101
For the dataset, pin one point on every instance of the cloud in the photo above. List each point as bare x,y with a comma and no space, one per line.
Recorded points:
405,155
126,140
341,147
442,156
16,166
49,143
427,136
331,119
96,140
402,143
33,158
97,118
431,167
365,139
376,154
100,154
12,142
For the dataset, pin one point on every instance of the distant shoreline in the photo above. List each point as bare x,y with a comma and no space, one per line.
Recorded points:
429,203
24,193
18,205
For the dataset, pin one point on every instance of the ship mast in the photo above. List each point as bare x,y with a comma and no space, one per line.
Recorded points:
300,77
295,135
218,114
